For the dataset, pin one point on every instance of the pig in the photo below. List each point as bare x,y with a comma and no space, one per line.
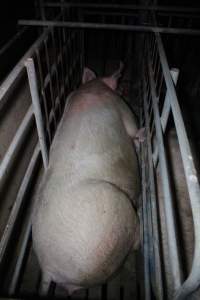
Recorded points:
84,221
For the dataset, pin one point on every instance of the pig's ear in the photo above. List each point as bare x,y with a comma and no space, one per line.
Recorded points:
88,75
112,81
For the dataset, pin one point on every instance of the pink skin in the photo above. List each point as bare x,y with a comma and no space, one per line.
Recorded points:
87,98
112,82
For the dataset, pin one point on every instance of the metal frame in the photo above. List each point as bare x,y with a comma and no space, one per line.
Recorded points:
41,80
42,70
138,28
156,58
122,7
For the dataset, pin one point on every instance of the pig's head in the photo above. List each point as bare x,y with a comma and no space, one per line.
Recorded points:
111,81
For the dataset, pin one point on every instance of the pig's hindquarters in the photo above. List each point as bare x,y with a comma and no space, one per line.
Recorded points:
84,224
92,237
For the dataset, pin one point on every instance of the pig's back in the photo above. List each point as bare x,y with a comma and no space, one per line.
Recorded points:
92,143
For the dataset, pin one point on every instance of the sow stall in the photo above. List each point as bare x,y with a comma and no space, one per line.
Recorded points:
33,97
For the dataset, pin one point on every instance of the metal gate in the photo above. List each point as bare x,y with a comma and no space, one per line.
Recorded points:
53,67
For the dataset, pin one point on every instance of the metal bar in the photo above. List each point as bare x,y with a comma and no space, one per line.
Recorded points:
7,83
166,110
158,271
13,75
15,144
20,260
122,7
17,205
43,94
138,28
37,109
42,10
61,63
167,195
56,70
193,280
12,40
147,289
50,80
178,14
110,13
14,214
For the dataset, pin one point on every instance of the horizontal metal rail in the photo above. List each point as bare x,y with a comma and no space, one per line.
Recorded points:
8,82
15,144
18,69
13,40
134,14
124,6
69,44
18,203
26,182
137,28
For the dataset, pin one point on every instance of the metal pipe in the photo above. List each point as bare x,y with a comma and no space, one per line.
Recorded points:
166,108
167,195
17,70
165,111
17,205
138,28
110,13
42,10
15,144
13,216
125,6
154,209
147,289
12,40
37,109
193,280
8,82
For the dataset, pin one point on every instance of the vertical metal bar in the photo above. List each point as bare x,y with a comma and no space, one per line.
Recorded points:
42,10
37,109
147,290
50,81
56,69
62,64
158,271
43,94
167,195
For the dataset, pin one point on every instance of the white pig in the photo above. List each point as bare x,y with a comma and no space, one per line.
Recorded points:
84,222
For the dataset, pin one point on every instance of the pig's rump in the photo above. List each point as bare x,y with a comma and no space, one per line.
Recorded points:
92,237
84,221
